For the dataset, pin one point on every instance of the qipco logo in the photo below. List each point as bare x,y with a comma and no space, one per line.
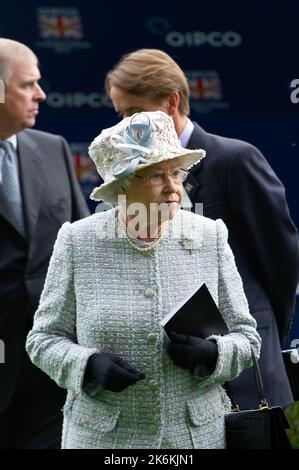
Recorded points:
295,93
200,38
77,100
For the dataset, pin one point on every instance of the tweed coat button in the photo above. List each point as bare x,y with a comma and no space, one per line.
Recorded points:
149,293
153,384
152,338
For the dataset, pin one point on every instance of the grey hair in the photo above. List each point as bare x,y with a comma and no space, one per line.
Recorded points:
10,52
117,187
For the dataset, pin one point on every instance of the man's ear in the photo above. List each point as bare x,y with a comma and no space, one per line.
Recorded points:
173,103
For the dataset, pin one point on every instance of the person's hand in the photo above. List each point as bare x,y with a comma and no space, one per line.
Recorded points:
112,372
190,351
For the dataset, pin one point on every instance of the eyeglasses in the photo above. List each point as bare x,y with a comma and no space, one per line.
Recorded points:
178,175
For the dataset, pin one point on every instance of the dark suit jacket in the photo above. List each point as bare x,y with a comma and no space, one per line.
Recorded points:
51,196
236,184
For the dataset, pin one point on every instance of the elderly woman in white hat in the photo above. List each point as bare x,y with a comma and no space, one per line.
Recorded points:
114,276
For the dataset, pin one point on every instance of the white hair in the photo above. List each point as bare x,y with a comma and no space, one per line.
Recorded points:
10,53
117,187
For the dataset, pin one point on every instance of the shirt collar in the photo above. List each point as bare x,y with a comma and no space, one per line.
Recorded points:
186,133
13,140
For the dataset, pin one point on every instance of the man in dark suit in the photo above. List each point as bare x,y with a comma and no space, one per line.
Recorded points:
235,183
38,192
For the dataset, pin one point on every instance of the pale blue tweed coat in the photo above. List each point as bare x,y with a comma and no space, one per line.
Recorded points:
102,295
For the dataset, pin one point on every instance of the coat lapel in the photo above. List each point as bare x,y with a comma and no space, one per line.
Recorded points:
31,178
5,211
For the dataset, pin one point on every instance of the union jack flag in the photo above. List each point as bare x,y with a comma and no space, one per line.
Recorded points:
85,168
60,26
207,88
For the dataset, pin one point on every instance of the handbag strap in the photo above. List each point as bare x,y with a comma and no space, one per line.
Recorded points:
258,382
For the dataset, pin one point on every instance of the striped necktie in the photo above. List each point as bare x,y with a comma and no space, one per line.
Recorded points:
10,186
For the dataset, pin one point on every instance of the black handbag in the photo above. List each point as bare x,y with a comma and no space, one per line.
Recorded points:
263,428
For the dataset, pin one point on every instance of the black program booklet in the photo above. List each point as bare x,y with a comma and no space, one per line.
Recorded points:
196,315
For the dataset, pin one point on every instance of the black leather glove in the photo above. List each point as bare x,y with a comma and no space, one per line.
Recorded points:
190,351
110,371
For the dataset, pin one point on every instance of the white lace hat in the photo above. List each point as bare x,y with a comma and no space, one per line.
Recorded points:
136,142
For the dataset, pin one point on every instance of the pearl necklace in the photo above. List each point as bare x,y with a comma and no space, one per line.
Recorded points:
147,248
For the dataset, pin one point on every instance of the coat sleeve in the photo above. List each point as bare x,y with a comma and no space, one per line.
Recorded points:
234,349
79,206
258,200
52,342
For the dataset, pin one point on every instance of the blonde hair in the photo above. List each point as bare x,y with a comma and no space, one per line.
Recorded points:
10,52
150,72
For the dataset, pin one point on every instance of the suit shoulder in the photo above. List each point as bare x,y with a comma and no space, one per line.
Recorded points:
230,145
42,136
223,149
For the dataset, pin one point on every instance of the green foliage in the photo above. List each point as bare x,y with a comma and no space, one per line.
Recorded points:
292,412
